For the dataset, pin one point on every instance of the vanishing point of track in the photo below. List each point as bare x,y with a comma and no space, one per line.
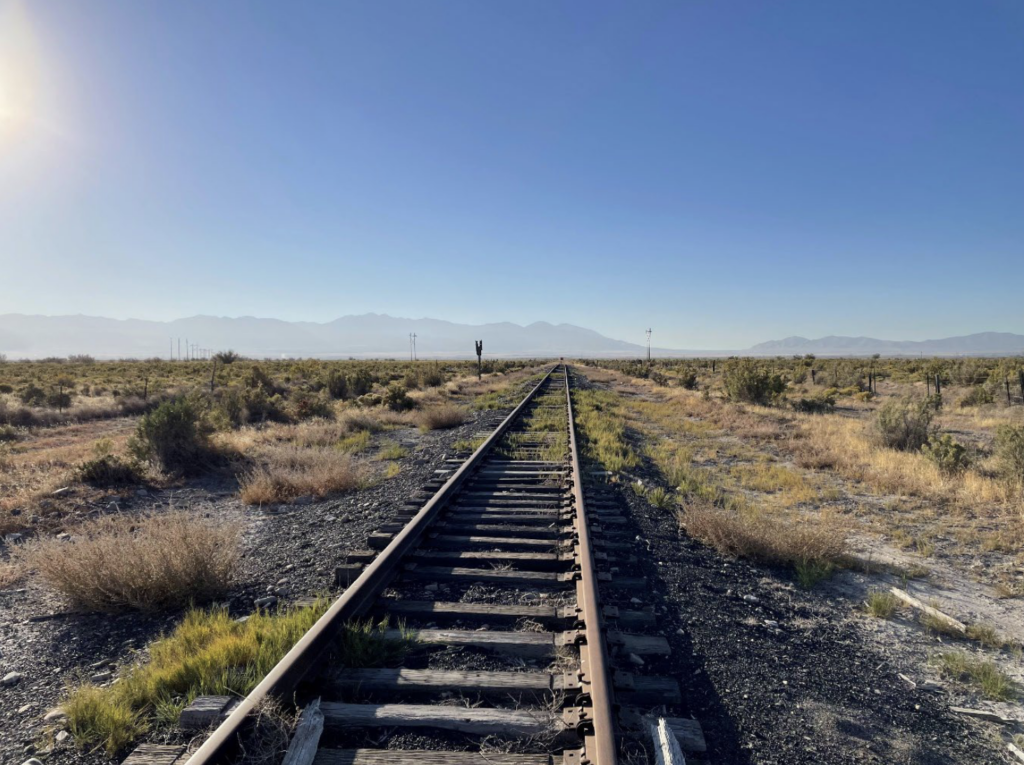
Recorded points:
504,567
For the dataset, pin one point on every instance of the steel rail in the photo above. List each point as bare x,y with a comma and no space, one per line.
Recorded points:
605,751
282,680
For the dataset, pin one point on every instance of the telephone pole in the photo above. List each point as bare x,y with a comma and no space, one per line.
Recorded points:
648,345
410,346
414,346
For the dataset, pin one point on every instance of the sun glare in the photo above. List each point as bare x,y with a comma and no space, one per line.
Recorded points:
19,71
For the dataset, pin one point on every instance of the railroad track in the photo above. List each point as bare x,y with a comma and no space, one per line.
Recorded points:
508,594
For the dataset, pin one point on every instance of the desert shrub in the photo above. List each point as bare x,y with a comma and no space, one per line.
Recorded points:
977,396
9,433
688,379
227,357
948,455
258,378
370,400
32,395
59,398
396,398
820,404
147,563
5,388
439,417
107,470
173,437
305,405
1010,452
81,358
360,383
241,406
336,384
864,395
905,424
431,376
745,380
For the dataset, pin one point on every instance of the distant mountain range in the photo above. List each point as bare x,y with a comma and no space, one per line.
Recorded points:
980,344
381,336
368,335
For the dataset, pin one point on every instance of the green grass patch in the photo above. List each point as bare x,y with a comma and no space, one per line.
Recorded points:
392,451
980,673
208,653
365,644
355,443
469,445
602,427
881,604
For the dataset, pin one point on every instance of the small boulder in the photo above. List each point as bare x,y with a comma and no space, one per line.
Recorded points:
12,678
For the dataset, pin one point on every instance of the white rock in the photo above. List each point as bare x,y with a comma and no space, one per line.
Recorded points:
751,598
55,715
12,678
634,659
264,602
61,737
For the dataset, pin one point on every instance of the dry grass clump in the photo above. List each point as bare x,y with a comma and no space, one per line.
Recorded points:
147,563
287,472
10,574
439,417
810,545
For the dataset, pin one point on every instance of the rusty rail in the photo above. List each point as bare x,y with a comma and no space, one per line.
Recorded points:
282,680
601,748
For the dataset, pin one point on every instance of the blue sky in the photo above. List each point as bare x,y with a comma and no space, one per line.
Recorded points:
724,172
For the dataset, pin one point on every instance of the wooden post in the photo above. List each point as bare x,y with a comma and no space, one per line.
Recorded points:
928,384
479,357
145,388
1020,378
814,374
1009,401
213,374
938,384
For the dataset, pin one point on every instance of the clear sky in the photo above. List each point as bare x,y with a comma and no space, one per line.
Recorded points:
723,172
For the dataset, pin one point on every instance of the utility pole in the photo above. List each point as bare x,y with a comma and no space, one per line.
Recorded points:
171,357
410,346
648,345
479,362
179,349
414,346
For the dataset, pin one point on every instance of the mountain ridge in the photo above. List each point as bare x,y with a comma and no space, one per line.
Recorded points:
381,335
